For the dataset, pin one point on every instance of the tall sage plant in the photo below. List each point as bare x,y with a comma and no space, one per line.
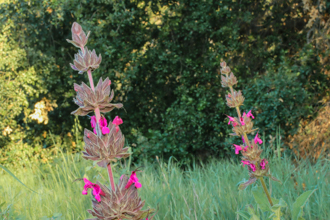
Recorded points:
105,144
258,168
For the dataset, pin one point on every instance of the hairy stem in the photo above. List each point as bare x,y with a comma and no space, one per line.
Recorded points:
111,177
98,129
266,191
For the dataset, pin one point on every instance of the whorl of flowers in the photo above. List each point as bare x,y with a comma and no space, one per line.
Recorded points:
123,203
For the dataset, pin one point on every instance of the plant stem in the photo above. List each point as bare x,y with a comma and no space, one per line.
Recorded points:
98,130
266,191
111,177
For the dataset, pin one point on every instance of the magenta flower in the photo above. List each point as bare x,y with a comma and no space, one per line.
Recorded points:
237,148
242,121
249,114
263,163
117,121
245,148
96,189
243,139
133,179
230,119
103,125
93,121
229,95
253,167
256,139
245,163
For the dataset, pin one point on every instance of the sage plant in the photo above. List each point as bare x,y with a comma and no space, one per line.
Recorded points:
105,144
251,156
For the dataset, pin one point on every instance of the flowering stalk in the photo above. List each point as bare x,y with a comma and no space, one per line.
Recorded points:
106,143
242,126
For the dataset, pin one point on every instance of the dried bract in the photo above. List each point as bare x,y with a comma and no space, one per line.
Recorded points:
106,148
236,99
228,81
88,100
119,204
240,129
86,60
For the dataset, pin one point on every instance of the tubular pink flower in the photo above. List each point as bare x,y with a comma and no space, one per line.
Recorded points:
96,189
243,139
242,121
250,114
245,162
117,121
230,119
133,179
256,139
253,167
103,125
237,148
263,163
93,121
245,148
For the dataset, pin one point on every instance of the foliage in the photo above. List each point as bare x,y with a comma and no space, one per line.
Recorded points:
163,57
208,192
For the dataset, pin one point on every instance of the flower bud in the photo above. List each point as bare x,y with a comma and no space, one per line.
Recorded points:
79,38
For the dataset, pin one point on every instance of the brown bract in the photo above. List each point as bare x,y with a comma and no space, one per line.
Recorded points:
88,100
106,148
119,204
86,60
79,38
235,100
240,129
228,81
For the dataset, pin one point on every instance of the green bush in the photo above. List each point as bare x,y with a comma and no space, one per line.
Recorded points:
162,58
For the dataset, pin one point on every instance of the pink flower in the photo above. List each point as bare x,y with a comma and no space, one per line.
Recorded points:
249,114
133,179
230,119
96,189
237,148
117,121
93,121
242,120
229,95
245,148
253,167
263,163
245,163
256,139
103,125
243,139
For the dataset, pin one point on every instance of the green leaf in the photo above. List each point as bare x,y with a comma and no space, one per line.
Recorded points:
276,209
10,173
253,216
243,214
297,209
261,199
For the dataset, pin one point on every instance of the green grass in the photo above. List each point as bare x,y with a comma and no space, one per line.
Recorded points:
207,192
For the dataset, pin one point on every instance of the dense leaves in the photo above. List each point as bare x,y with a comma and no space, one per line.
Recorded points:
163,60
